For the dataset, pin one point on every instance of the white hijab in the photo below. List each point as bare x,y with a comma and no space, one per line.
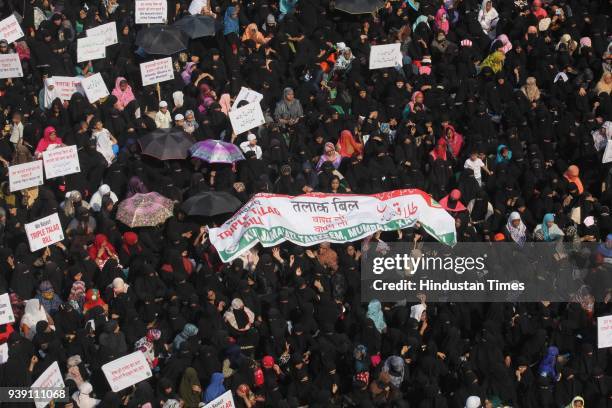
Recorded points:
416,311
50,92
34,313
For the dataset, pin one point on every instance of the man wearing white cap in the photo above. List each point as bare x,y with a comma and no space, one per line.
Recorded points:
251,146
179,120
473,402
163,120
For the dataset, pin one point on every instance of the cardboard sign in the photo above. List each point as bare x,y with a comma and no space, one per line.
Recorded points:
10,30
127,371
90,48
226,400
156,71
385,56
607,156
26,175
248,95
67,86
50,378
247,117
94,87
44,232
107,31
6,311
151,11
604,331
10,66
61,161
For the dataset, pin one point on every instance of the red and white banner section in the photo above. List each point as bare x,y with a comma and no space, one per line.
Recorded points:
310,219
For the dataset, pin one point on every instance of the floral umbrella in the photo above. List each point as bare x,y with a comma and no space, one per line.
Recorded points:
216,151
145,210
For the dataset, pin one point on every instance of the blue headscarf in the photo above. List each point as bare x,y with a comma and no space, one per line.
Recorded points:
189,330
420,19
230,25
547,218
287,6
603,248
375,313
500,158
547,366
215,388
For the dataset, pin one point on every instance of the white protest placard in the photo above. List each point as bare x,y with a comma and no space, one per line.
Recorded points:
604,331
94,87
151,11
248,95
607,156
247,117
126,371
10,66
10,30
225,400
26,175
66,86
107,31
385,56
3,353
6,311
156,71
50,378
61,161
44,232
90,48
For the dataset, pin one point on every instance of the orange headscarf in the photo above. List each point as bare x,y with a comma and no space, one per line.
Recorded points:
347,145
252,33
571,175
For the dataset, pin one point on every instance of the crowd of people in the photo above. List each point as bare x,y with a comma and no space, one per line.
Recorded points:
501,110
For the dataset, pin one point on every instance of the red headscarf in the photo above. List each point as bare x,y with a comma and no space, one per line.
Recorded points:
46,141
347,145
454,197
100,240
439,152
457,139
572,175
130,241
93,299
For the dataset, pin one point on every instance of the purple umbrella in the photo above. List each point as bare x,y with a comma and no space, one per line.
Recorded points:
216,151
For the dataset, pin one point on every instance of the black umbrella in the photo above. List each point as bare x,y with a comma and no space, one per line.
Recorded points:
166,144
162,40
210,203
196,26
359,6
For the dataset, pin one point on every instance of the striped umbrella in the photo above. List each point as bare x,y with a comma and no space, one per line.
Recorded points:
145,210
216,151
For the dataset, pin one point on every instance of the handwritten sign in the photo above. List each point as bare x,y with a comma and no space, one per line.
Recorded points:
604,331
90,48
247,117
6,311
67,86
248,95
10,66
25,175
385,56
151,11
44,232
61,161
127,371
94,87
107,31
50,378
156,71
10,30
225,400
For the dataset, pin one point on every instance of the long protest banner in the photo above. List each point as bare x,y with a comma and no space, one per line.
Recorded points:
313,218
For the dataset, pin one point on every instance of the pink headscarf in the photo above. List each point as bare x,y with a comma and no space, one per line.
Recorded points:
441,20
123,97
46,141
503,38
226,103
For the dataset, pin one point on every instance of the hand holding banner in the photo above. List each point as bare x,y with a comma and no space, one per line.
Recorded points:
10,66
90,48
10,30
156,71
44,232
151,11
61,161
127,371
26,175
385,56
107,31
94,87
